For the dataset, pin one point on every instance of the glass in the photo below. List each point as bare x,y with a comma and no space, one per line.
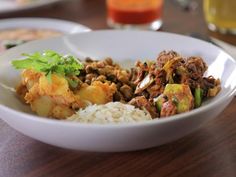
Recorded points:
220,15
135,14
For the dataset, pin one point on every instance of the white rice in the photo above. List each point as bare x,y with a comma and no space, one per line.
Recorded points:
113,112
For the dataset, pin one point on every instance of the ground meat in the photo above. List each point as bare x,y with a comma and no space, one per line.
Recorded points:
155,90
195,67
165,57
118,97
142,103
153,83
145,83
141,70
127,92
192,83
210,86
133,75
168,109
209,82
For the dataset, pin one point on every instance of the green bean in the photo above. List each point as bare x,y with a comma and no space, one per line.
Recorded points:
198,97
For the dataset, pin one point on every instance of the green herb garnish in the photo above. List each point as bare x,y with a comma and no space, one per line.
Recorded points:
50,62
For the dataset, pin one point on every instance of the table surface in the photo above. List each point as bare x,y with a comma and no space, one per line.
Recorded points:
209,151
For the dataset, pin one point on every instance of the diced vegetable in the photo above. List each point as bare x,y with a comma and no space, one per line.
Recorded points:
181,94
147,81
198,97
159,101
213,91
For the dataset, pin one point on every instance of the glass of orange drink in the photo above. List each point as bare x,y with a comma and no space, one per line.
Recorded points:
134,14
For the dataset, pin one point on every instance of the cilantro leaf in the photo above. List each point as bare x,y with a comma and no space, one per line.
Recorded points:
50,62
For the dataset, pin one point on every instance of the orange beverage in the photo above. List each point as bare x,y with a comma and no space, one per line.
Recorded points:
137,13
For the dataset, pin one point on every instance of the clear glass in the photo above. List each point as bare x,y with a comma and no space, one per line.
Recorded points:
220,15
134,14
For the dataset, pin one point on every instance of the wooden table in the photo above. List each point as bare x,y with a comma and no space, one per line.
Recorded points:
208,152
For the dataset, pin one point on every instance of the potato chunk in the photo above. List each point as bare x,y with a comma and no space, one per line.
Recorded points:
48,98
97,92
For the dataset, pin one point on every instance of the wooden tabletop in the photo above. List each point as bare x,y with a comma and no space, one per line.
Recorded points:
208,152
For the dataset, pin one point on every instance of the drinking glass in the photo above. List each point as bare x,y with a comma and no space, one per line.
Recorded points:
220,15
134,14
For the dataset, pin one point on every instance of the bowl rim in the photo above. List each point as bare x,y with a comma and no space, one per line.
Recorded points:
43,23
39,119
31,5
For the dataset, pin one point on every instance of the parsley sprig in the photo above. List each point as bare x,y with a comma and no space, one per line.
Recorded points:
50,62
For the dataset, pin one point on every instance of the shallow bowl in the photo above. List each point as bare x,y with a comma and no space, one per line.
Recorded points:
124,47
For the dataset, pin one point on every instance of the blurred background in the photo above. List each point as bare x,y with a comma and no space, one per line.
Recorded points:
210,152
210,20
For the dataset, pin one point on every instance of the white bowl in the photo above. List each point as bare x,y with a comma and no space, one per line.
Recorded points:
8,6
123,46
63,26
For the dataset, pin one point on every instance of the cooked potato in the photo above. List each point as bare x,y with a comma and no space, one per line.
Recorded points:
53,98
30,77
42,105
97,92
49,98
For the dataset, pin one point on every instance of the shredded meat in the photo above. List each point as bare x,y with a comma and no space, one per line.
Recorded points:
127,91
165,56
155,90
142,103
196,67
150,78
211,86
168,109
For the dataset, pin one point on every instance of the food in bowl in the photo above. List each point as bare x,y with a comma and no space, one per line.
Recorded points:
62,87
112,112
13,37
